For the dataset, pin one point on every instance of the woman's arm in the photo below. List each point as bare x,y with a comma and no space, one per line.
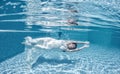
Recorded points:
79,42
83,42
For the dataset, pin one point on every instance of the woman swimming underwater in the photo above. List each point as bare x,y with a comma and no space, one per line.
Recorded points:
51,43
34,46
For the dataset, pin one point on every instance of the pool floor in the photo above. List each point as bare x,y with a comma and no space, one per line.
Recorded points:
92,60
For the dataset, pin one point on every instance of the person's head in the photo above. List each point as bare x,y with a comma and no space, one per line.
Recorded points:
72,46
72,21
74,11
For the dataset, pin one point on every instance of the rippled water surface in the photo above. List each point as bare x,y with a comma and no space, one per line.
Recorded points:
95,21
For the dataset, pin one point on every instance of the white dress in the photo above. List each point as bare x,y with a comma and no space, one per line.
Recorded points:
46,43
37,44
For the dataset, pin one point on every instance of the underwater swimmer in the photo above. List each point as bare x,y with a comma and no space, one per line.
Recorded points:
34,47
51,43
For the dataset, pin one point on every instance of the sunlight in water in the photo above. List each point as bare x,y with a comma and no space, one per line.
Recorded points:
40,27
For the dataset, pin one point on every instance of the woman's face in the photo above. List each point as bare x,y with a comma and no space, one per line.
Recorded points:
71,46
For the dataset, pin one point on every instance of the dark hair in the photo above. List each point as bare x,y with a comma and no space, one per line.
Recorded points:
72,48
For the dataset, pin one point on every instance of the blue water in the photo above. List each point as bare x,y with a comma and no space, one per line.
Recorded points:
98,23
